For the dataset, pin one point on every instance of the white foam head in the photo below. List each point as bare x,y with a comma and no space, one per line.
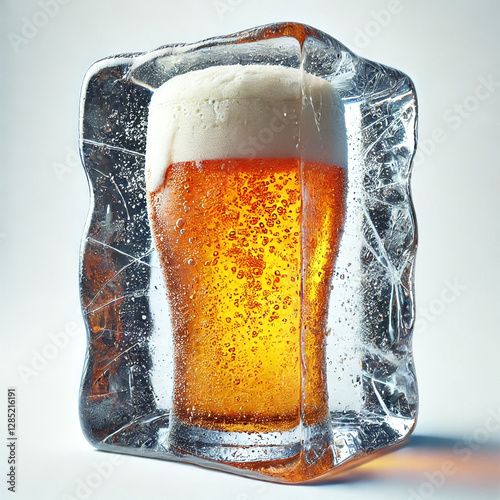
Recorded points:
254,111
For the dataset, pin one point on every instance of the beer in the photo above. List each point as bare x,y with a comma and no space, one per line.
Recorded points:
231,249
247,247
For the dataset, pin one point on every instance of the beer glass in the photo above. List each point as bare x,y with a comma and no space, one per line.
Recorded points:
246,181
247,265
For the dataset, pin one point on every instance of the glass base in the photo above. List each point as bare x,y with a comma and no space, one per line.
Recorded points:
243,446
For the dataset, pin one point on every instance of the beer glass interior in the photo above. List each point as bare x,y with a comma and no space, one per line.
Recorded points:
246,180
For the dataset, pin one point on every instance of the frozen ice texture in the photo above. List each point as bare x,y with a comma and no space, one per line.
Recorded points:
126,391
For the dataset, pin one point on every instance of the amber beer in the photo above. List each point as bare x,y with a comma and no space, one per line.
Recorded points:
247,247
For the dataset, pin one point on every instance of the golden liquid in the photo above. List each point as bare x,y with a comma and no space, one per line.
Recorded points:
248,265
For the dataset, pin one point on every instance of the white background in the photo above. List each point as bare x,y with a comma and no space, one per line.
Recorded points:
449,48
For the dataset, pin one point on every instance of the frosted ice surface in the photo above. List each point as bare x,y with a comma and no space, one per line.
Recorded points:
127,390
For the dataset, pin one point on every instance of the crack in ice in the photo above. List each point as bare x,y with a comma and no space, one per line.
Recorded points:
117,188
136,294
389,131
114,148
134,260
103,369
139,259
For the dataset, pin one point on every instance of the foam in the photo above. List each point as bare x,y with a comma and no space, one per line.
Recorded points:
254,111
